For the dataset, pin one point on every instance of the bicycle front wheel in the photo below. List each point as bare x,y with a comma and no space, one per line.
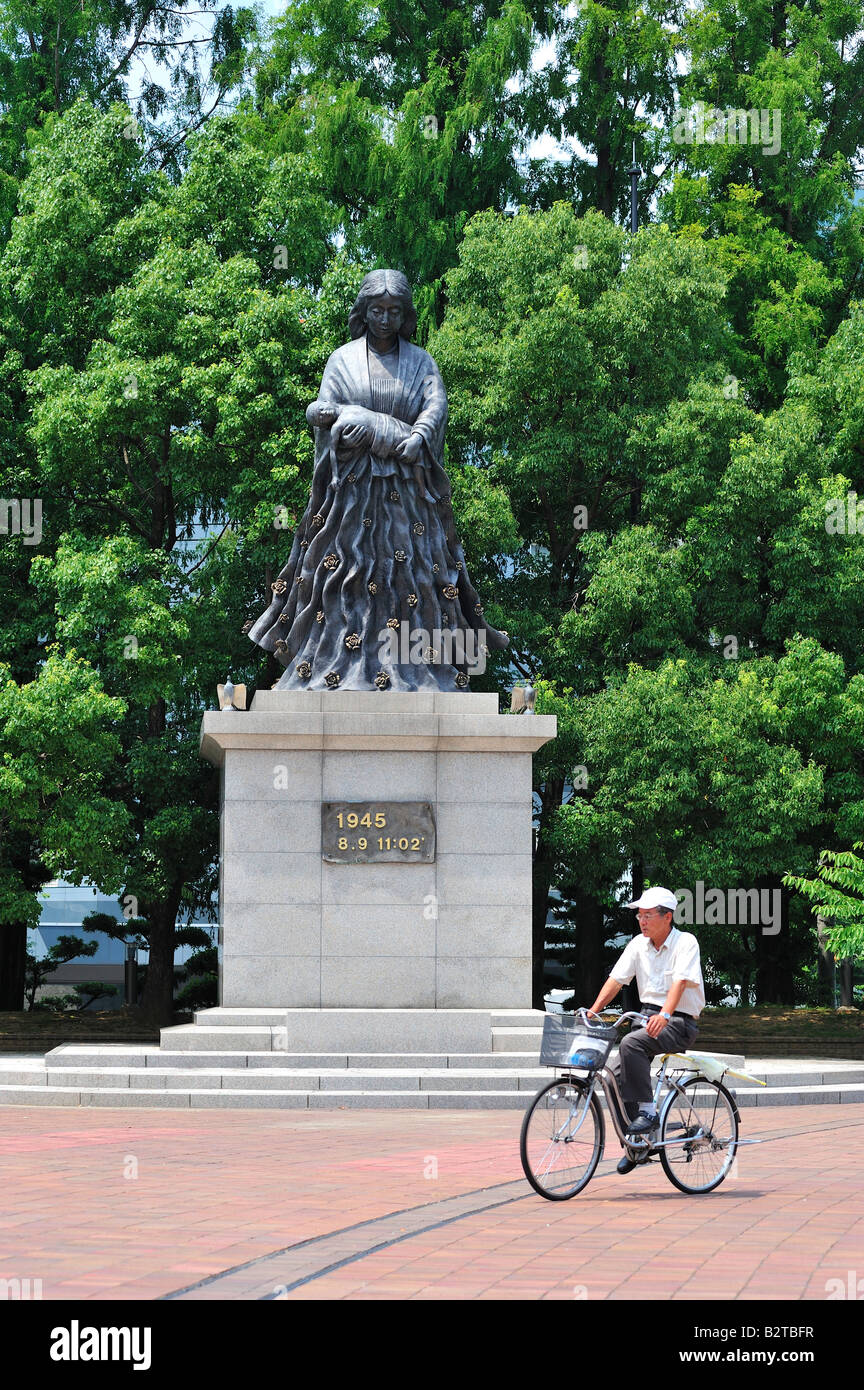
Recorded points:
699,1131
562,1139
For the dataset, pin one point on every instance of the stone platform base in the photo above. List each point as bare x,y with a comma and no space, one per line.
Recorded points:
301,929
303,1058
329,1059
358,1031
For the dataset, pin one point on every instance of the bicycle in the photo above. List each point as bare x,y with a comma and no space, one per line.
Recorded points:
564,1130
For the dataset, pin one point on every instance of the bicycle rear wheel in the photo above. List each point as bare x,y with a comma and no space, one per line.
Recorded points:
562,1139
701,1128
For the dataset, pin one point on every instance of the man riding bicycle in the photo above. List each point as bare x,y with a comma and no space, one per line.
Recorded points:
666,964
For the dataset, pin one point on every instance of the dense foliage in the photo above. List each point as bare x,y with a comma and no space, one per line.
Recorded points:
653,441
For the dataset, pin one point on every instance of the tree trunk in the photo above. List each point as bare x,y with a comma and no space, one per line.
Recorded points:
605,176
31,873
13,948
637,884
589,974
825,966
157,1002
775,982
844,979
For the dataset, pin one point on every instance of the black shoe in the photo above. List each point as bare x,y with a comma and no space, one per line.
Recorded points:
643,1125
625,1165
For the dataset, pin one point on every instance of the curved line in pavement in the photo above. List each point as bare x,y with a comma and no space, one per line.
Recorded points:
396,1240
260,1288
316,1240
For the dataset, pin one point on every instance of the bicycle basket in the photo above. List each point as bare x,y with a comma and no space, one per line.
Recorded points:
568,1042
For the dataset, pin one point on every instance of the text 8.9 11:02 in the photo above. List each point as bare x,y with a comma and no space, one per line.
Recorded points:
369,832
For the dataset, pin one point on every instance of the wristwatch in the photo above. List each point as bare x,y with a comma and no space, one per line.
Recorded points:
663,1014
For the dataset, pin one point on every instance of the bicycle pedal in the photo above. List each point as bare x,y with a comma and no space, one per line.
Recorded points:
636,1151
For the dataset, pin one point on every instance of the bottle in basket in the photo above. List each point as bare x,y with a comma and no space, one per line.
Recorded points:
586,1052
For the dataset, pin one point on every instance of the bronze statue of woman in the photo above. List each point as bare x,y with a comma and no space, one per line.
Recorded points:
375,558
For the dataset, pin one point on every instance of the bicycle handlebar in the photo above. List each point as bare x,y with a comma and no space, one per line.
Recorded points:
586,1016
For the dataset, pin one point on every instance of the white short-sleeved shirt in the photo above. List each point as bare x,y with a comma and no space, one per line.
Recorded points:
656,970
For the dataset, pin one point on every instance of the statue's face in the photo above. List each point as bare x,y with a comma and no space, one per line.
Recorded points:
384,315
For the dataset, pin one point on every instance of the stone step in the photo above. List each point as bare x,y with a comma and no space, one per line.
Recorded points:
152,1079
77,1057
235,1018
193,1037
850,1075
244,1075
332,1030
22,1076
470,1099
100,1055
798,1095
137,1059
236,1098
517,1039
359,1079
85,1062
258,1018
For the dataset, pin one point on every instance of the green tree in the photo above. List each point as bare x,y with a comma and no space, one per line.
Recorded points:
64,949
663,524
50,307
805,62
780,208
199,987
167,427
610,81
189,58
563,365
408,111
59,738
837,894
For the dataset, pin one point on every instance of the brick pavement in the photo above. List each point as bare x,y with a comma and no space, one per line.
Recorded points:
142,1204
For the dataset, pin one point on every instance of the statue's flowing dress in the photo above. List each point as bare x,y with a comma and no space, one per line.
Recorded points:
375,555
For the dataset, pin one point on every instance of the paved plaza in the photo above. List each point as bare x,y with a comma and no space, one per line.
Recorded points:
365,1204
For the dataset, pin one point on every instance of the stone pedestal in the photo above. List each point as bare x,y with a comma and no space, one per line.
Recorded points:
300,933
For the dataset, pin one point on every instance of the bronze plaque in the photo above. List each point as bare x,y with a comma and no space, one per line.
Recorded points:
377,832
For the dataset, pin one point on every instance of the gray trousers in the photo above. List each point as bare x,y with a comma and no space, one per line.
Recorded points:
632,1066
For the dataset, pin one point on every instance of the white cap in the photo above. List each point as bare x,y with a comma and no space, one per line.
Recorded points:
656,897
